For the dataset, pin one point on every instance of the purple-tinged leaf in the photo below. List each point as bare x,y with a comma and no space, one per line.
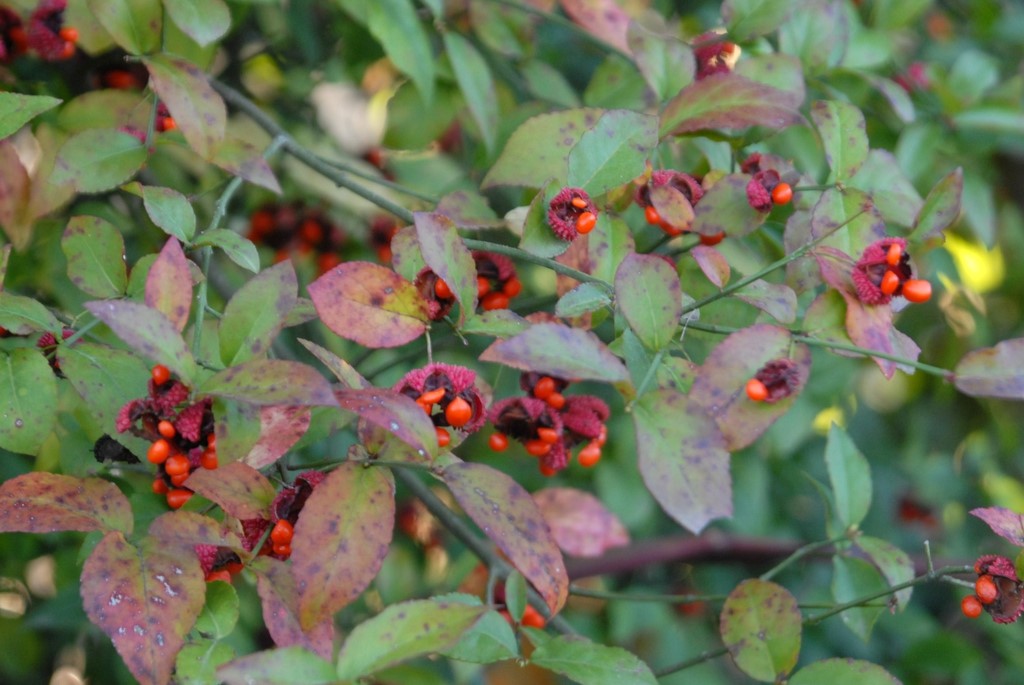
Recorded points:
941,208
724,208
48,503
204,21
682,458
648,294
280,428
843,672
183,530
775,299
256,313
672,207
1007,524
271,382
446,255
98,159
843,135
895,564
404,631
602,18
369,304
149,333
15,191
169,284
719,388
580,523
196,107
712,263
95,252
509,516
993,371
275,585
558,350
583,661
292,665
22,315
28,402
341,539
761,625
395,413
613,151
890,191
728,101
237,488
145,599
344,371
539,149
243,159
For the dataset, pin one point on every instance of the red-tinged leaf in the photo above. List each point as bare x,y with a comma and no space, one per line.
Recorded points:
682,458
1005,523
369,304
558,350
761,625
602,18
539,149
843,672
280,428
720,384
993,371
196,107
580,523
774,299
237,488
98,159
271,381
149,333
28,400
256,313
169,284
183,530
446,255
673,207
941,208
843,135
344,371
724,208
15,190
145,599
95,252
728,101
648,294
395,413
287,666
243,159
275,585
712,263
133,24
509,516
341,539
48,503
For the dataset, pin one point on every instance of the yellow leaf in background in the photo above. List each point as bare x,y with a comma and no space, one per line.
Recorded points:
981,269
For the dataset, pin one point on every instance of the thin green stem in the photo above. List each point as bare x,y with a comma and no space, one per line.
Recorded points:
415,466
798,555
643,597
558,268
372,178
706,655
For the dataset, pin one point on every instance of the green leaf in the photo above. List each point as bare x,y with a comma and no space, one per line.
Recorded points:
404,631
120,585
47,503
490,639
558,350
28,396
95,252
891,192
667,64
761,625
682,458
170,211
238,249
588,663
397,28
843,135
895,564
843,672
648,294
747,19
728,101
220,613
499,323
584,298
197,662
538,236
999,120
818,34
991,371
345,372
446,255
850,476
509,516
22,315
780,71
17,109
237,488
105,377
724,208
538,151
98,159
243,159
256,313
169,284
280,666
134,24
476,83
341,538
369,304
204,21
270,381
149,333
196,107
613,151
941,208
854,578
